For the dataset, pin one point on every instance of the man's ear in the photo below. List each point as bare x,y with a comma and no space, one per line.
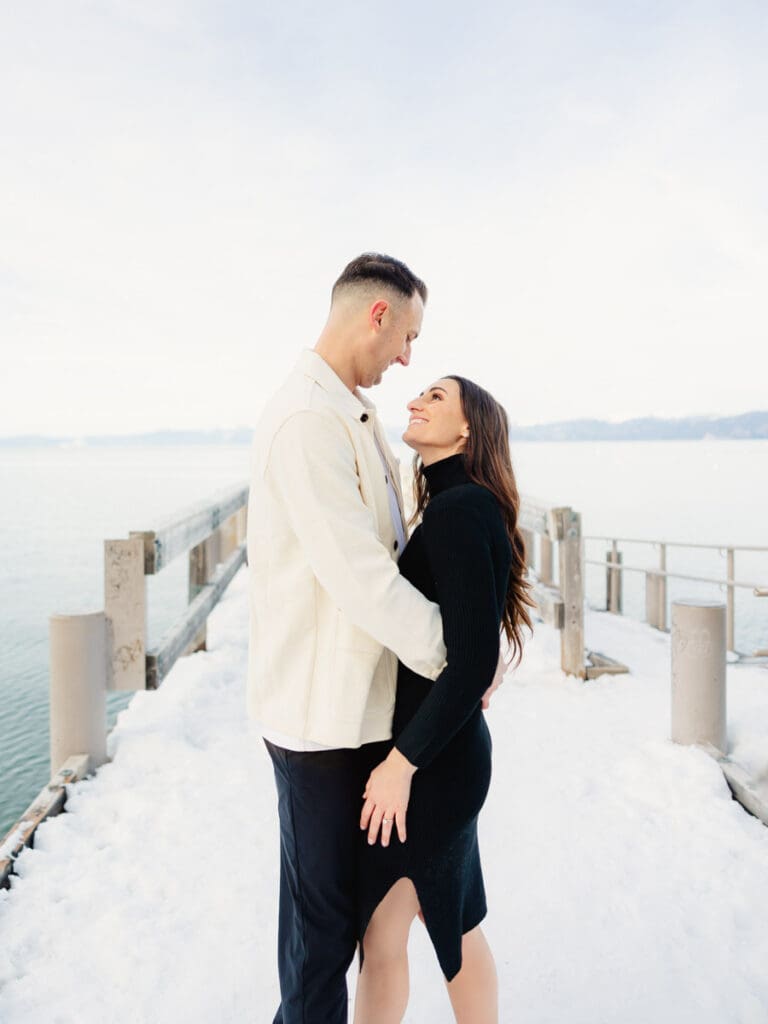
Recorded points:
377,311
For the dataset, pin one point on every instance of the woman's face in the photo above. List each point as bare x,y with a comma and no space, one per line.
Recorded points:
437,427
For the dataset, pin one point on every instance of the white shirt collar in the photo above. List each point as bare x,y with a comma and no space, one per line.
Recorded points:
314,366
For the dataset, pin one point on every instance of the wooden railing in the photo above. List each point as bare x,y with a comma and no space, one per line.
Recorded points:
102,651
562,606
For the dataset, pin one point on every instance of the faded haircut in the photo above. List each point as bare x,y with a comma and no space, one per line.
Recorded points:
373,268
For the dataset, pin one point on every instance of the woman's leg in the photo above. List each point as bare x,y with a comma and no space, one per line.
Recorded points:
474,990
382,985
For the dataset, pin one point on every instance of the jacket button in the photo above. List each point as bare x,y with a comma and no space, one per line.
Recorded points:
364,418
386,479
395,545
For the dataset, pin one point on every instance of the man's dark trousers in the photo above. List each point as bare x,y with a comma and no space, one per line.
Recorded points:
320,797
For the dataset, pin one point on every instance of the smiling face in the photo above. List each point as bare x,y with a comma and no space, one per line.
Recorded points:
437,427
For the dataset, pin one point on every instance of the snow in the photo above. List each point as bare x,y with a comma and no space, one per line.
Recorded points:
624,883
7,847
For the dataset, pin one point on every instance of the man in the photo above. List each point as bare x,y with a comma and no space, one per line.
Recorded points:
330,616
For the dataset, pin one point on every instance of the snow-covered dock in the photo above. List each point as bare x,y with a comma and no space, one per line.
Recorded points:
625,884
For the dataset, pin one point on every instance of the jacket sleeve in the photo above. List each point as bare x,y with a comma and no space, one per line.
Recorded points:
459,555
311,467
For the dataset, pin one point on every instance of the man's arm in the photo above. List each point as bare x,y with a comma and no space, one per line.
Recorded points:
311,465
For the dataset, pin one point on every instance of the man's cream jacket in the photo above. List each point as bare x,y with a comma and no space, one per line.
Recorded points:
329,611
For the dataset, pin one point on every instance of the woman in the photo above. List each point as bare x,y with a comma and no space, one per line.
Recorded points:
468,555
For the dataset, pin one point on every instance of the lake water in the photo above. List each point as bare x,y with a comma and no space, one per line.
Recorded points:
59,504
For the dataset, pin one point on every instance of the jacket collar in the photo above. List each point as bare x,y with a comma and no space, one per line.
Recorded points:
314,366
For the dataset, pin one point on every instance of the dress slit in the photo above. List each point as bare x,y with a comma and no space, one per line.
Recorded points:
450,960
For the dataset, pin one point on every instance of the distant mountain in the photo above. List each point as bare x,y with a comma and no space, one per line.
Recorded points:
240,435
748,425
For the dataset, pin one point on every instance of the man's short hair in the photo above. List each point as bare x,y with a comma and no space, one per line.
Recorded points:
373,268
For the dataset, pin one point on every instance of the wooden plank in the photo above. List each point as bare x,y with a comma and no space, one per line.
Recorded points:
183,531
48,803
125,606
550,604
752,795
177,639
532,514
601,664
539,517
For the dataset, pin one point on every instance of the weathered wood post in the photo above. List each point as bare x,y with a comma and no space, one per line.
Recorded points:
241,519
613,580
78,688
228,537
571,551
530,551
698,673
545,557
731,604
203,559
654,611
125,606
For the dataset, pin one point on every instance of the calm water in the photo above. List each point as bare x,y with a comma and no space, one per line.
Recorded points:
60,504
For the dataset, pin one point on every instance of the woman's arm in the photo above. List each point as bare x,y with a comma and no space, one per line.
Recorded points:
458,549
459,556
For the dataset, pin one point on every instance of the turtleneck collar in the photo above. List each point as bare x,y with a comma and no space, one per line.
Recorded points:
445,473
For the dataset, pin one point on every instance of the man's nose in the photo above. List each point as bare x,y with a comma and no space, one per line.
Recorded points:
405,356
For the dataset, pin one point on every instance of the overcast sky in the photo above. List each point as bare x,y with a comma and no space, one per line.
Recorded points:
581,185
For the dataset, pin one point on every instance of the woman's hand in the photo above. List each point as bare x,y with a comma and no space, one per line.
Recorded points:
386,797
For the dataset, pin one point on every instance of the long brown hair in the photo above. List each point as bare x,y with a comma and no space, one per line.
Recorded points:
488,462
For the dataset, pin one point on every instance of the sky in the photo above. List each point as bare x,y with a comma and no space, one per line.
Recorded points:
581,185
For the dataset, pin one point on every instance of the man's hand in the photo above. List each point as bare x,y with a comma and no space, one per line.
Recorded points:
386,797
501,668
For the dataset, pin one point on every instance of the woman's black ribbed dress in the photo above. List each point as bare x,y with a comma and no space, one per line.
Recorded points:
460,557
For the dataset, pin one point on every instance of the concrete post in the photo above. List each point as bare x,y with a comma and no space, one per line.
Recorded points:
698,673
78,688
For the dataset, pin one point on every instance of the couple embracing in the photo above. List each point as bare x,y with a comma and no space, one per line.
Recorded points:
372,656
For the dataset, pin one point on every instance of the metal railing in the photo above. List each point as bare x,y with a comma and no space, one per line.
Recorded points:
656,581
105,651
